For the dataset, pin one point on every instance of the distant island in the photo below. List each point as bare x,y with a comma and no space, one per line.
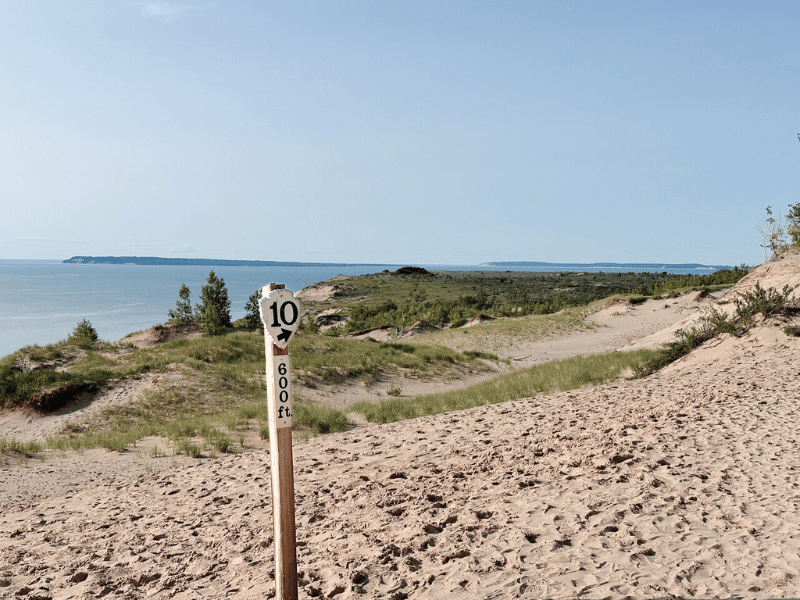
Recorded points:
219,262
606,265
202,262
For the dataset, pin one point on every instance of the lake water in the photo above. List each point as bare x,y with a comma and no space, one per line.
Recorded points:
42,301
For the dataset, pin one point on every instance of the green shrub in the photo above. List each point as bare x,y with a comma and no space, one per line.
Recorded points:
309,324
335,331
769,302
84,335
481,354
775,230
792,331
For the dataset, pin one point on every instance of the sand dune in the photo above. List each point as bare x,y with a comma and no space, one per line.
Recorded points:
686,483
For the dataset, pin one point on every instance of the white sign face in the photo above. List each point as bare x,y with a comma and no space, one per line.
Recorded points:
282,411
280,312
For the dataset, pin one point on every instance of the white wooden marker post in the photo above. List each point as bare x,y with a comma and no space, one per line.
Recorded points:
280,312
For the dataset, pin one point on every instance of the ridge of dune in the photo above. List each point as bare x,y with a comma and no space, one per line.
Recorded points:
783,270
685,483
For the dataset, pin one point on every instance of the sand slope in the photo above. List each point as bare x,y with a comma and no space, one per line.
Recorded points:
686,483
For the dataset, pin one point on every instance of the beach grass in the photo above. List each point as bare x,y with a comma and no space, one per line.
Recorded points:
497,334
192,434
559,375
27,449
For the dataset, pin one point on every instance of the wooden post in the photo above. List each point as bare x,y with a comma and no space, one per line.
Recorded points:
280,443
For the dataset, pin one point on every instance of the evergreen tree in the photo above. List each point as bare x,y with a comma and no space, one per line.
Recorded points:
84,335
215,306
252,317
183,312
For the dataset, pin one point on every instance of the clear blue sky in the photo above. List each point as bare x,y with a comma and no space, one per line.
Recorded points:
405,131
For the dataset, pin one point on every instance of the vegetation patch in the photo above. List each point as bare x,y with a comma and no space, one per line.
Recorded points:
328,358
401,298
559,375
217,385
412,271
26,449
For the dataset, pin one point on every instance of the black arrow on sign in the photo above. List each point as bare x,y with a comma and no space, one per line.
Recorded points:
284,335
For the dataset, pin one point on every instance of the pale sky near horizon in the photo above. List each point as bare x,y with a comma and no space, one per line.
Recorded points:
417,132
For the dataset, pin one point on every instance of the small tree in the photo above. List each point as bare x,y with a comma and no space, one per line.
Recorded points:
84,335
775,231
215,306
183,313
252,317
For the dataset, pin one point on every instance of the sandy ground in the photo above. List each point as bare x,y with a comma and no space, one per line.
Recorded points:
686,483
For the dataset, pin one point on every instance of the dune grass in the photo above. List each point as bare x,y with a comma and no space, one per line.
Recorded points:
233,361
494,335
560,375
224,397
27,449
331,358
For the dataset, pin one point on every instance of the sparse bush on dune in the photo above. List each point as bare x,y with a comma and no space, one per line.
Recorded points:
759,301
775,230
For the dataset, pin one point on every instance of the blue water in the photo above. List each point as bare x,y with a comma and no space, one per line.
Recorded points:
41,301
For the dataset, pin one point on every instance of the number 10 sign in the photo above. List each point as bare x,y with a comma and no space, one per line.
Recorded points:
280,312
